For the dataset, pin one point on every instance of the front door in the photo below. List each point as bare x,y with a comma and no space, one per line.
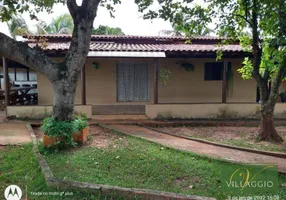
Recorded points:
132,82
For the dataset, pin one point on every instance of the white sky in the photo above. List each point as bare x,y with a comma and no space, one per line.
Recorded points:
126,17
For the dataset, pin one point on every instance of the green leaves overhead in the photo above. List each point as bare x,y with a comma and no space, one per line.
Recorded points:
8,8
185,15
234,19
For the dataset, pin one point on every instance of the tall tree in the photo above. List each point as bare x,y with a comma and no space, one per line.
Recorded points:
266,22
63,75
106,30
17,26
63,24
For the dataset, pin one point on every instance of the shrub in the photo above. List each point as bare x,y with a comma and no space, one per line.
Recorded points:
63,130
81,122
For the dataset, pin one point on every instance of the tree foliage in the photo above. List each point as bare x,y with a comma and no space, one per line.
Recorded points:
185,15
106,30
17,26
259,25
63,24
8,8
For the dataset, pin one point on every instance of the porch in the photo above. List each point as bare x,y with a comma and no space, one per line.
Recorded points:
18,85
103,92
187,95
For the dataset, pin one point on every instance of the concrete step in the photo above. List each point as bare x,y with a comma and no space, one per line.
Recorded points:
119,117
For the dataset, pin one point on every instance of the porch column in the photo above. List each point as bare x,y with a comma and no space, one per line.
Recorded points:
15,74
155,81
28,72
83,86
6,81
224,82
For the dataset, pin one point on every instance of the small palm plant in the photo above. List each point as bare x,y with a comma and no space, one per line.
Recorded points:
18,26
63,24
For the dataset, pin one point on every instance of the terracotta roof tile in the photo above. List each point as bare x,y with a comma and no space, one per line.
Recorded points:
94,46
129,37
140,43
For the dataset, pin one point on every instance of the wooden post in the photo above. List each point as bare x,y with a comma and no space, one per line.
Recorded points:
83,86
155,80
28,74
6,81
224,82
15,74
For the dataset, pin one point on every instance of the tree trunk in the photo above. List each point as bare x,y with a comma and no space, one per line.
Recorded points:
64,94
267,130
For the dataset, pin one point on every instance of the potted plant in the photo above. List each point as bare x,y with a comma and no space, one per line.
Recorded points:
283,96
61,133
81,124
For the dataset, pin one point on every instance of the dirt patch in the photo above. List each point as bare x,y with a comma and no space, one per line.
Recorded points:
38,132
98,137
187,182
102,138
236,135
218,133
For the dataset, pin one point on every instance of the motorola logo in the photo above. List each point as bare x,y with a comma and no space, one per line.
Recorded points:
13,192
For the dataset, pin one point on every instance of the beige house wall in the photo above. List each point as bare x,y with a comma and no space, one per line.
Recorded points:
40,112
46,93
211,110
101,83
184,87
188,87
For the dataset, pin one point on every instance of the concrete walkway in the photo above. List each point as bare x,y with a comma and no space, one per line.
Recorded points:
13,133
201,148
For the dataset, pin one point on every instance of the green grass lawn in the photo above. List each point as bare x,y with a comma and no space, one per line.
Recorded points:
132,162
19,166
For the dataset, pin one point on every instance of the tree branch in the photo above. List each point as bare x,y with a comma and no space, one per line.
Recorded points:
282,68
73,7
243,17
79,47
30,57
266,75
257,55
282,18
277,81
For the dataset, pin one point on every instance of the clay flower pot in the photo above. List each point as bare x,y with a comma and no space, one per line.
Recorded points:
49,140
81,136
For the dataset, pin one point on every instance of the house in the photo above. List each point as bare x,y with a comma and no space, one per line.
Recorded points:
123,78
